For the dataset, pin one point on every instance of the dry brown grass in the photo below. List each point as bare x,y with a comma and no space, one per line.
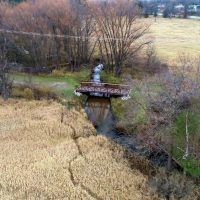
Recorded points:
47,152
173,37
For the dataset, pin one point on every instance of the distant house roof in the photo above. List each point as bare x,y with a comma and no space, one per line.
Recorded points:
180,6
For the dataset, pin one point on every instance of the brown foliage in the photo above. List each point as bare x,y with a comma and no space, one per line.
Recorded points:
70,32
57,21
173,186
33,92
120,32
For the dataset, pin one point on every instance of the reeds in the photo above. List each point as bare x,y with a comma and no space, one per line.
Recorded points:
49,152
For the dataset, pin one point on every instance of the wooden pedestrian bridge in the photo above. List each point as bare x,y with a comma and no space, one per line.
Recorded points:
107,90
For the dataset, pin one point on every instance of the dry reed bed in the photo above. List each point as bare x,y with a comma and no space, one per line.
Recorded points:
47,152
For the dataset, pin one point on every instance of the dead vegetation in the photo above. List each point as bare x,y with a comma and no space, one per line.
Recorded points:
47,152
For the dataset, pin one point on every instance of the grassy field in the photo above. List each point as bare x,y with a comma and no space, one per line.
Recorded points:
175,36
48,152
63,84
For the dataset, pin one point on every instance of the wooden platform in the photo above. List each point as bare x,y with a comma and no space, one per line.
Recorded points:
103,89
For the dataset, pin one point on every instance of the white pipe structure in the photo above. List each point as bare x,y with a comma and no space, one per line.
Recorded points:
96,73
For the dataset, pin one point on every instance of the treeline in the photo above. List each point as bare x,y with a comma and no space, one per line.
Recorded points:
166,8
52,33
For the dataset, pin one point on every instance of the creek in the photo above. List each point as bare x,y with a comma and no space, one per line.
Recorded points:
99,111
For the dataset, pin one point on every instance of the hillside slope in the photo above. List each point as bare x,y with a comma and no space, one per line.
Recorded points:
47,152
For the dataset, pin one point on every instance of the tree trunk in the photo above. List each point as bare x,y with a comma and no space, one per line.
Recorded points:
169,160
186,137
170,149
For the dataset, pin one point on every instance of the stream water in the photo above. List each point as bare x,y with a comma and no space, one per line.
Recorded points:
99,111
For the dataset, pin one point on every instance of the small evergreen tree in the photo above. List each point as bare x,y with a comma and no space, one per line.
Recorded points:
166,13
146,13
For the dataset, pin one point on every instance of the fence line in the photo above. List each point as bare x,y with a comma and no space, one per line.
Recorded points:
61,36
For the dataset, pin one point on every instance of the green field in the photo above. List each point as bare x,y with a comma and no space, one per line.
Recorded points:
63,85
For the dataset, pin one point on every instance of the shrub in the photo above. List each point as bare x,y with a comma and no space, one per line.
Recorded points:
57,72
146,14
172,186
28,93
166,13
129,114
18,92
140,163
44,93
36,93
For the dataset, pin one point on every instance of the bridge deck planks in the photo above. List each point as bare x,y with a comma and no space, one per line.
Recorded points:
107,89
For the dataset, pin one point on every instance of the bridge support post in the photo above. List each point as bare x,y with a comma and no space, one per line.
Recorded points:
99,111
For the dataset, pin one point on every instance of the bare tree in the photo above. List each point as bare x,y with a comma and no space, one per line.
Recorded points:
5,84
176,93
153,63
120,32
71,19
80,47
35,48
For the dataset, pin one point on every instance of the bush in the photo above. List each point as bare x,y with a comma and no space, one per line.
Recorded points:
44,93
28,94
172,186
146,14
57,72
17,92
140,163
33,93
166,13
129,114
5,83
